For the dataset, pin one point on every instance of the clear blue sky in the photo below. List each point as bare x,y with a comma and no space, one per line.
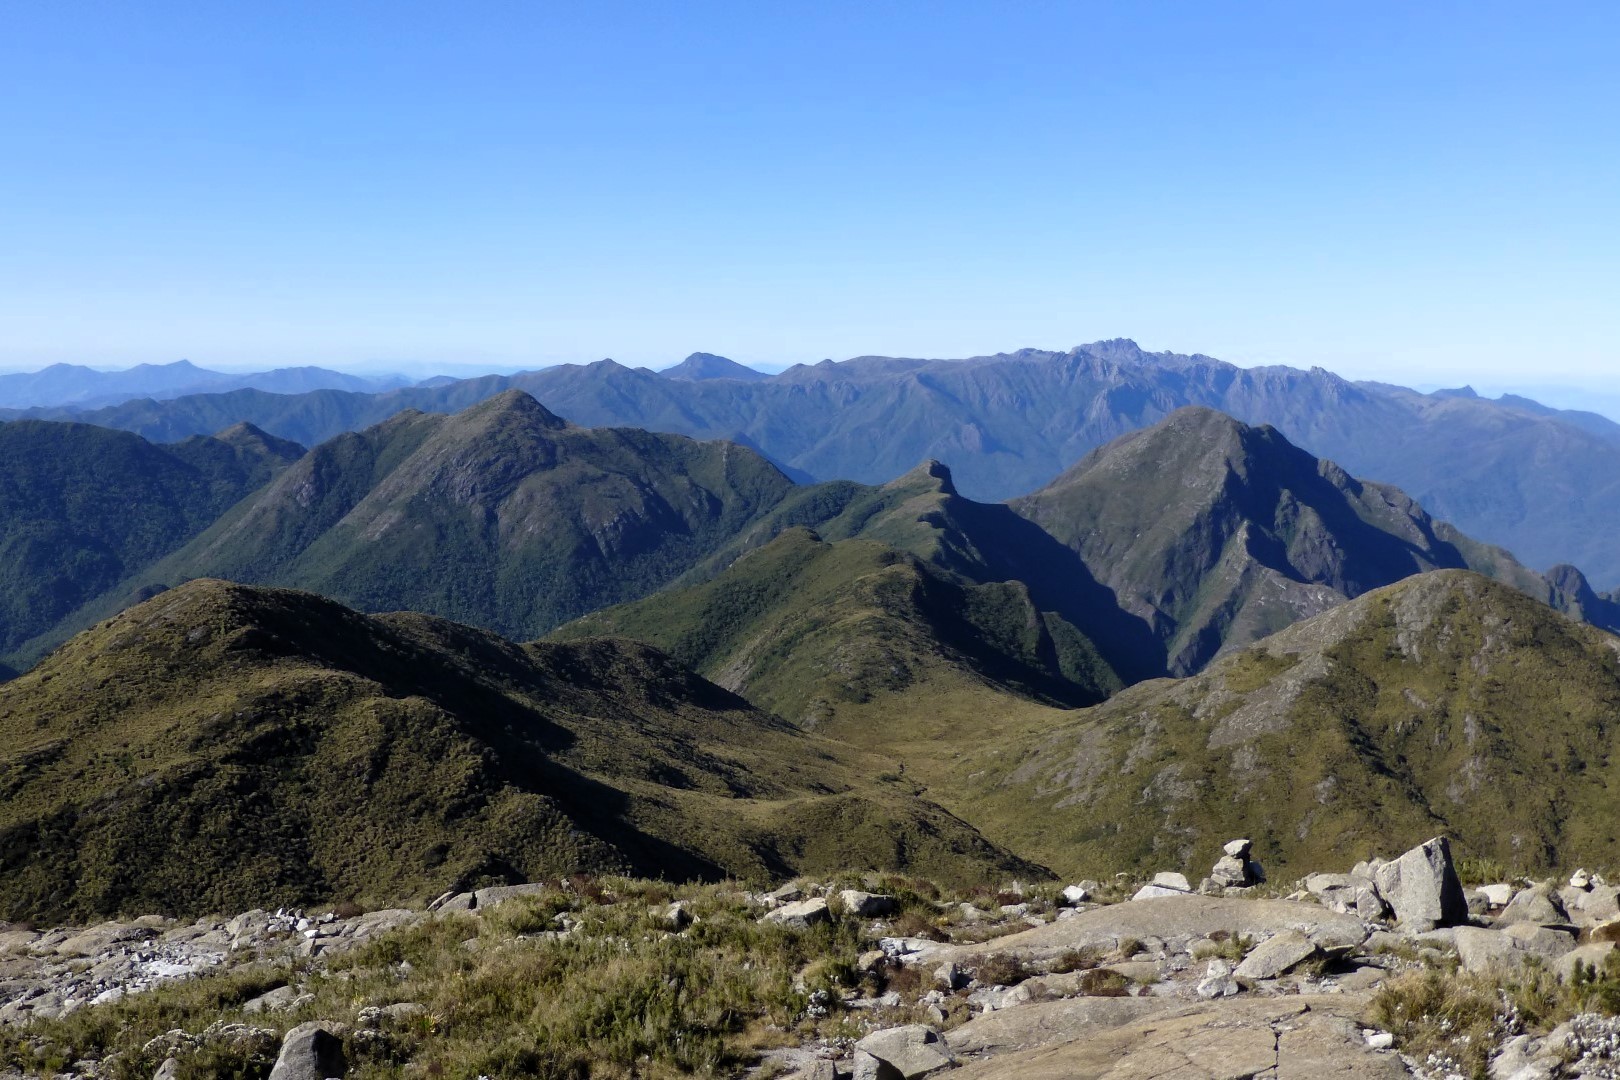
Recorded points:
1423,192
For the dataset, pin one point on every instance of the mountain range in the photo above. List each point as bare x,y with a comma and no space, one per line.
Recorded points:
503,515
1543,483
1155,553
1445,703
1162,551
1198,629
76,387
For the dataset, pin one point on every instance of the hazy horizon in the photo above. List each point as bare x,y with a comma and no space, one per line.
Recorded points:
1390,192
1599,400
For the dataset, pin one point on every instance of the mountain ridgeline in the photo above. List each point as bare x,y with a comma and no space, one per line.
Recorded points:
1162,551
1543,483
803,627
1150,557
220,747
1217,533
503,515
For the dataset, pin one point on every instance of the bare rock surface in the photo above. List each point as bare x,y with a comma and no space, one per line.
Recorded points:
799,914
902,1053
1031,1026
1291,1038
53,974
1169,918
1274,956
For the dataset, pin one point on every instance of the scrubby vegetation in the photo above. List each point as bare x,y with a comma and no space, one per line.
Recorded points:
587,979
1452,1021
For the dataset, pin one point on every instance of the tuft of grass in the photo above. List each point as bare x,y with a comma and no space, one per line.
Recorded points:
1458,1018
912,924
1474,870
1100,983
1002,969
1451,1022
1076,960
1224,945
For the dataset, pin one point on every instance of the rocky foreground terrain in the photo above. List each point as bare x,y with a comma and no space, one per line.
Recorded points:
1391,970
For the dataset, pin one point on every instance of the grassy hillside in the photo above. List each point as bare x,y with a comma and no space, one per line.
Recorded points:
83,507
808,628
922,514
222,747
1446,703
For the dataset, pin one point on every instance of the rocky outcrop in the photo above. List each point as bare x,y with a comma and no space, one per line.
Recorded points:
1176,921
1349,894
1172,986
865,905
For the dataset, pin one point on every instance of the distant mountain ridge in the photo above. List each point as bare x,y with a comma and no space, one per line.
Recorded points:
74,386
1545,484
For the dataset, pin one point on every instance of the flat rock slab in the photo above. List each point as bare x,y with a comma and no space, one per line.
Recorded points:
1169,918
1298,1038
1027,1027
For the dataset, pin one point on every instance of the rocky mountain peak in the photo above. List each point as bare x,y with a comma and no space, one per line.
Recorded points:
930,475
701,365
516,405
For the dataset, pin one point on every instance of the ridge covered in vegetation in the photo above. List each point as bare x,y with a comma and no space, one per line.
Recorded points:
222,747
82,508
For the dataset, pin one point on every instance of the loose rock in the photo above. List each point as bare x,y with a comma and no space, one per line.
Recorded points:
799,915
1422,887
309,1052
906,1052
865,905
1218,981
1275,956
1538,905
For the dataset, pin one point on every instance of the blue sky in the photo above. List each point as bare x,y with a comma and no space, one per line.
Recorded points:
1423,193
